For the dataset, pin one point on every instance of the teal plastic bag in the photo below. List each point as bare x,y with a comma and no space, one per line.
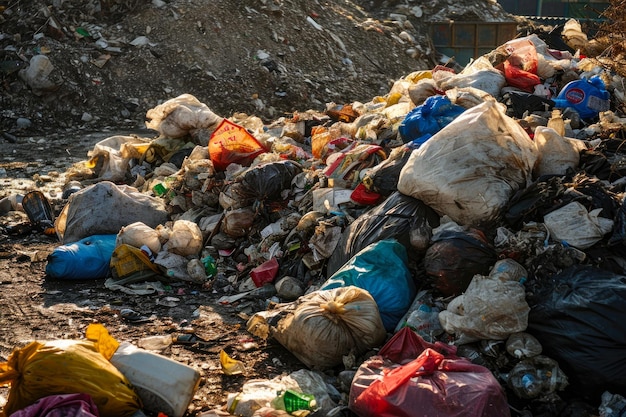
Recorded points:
89,258
381,269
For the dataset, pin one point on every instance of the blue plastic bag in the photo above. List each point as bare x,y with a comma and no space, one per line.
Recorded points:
89,258
424,121
380,269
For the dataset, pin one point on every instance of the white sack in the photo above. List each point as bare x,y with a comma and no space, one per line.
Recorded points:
104,208
321,327
471,168
185,238
138,234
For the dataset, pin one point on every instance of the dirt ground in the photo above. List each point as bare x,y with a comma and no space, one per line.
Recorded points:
113,60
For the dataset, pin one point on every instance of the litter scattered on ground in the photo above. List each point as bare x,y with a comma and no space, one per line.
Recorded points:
455,246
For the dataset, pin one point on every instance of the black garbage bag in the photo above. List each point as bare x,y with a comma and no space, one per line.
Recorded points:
593,194
595,163
530,204
549,193
383,178
607,257
579,318
267,181
455,257
619,227
615,150
394,218
519,102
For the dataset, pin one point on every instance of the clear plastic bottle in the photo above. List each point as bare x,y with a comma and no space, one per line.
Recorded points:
556,122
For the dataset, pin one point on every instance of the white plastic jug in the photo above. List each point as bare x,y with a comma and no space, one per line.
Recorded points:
162,384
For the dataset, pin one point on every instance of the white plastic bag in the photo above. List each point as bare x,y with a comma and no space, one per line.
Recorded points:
181,116
110,157
470,168
492,308
574,225
479,74
555,153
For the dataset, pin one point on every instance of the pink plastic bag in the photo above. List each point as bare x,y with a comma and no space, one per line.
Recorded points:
65,405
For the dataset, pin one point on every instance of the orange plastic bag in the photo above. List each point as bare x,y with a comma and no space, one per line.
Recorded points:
56,367
231,143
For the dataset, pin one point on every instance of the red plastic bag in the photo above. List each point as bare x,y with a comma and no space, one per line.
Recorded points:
264,273
407,345
231,143
361,195
517,77
436,383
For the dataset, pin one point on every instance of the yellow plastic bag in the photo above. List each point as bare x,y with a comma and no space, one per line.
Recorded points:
65,367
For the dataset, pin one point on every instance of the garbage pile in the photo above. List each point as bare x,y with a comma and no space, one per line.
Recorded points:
454,247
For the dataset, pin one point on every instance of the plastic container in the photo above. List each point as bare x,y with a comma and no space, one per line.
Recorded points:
587,97
38,209
164,385
70,188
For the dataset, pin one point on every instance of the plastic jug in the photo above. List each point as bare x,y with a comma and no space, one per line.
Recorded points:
164,385
587,97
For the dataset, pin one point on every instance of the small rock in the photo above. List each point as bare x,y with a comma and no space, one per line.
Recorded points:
23,123
289,288
345,380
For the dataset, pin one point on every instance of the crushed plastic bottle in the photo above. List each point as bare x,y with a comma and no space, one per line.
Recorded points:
210,266
612,405
156,343
523,345
292,401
